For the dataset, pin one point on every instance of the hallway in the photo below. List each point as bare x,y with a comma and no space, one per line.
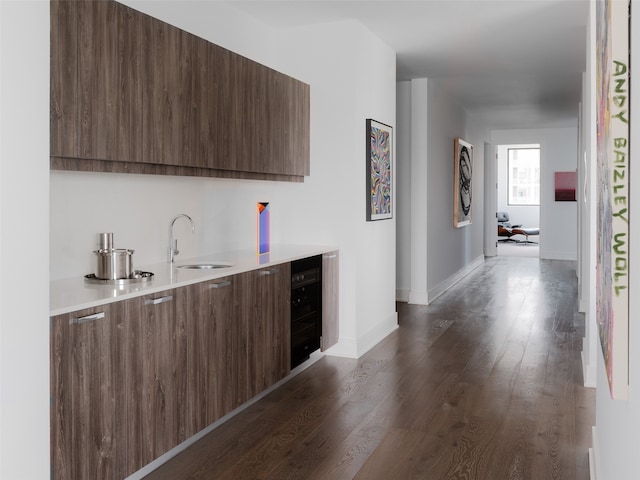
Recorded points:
483,384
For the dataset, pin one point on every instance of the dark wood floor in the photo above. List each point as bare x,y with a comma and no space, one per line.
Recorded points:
485,383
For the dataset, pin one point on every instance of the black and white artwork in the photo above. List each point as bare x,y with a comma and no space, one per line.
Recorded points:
462,183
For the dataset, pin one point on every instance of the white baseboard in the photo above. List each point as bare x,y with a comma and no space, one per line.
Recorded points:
588,372
418,298
583,304
352,348
375,336
594,464
402,294
453,279
550,255
346,347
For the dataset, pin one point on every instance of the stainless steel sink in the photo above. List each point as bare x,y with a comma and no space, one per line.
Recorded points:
205,266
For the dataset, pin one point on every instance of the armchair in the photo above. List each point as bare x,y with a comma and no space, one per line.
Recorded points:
505,229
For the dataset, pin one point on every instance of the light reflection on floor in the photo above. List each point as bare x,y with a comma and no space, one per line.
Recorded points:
512,249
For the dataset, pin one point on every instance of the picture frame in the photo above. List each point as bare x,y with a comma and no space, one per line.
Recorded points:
263,227
612,192
565,186
462,183
379,170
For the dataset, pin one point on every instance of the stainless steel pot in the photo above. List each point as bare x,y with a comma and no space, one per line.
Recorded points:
105,241
114,264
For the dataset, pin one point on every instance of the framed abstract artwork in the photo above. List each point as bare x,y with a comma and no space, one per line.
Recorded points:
264,228
379,170
565,183
612,191
462,182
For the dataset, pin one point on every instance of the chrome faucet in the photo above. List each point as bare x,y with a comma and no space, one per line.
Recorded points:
173,244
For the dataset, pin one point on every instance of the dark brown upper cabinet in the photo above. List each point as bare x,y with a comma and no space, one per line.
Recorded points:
63,116
95,85
169,113
130,93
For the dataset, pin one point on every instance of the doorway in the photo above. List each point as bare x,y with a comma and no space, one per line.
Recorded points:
518,195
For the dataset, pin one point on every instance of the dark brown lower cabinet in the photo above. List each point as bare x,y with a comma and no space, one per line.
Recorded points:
330,296
156,358
217,364
88,420
238,341
267,299
130,380
118,386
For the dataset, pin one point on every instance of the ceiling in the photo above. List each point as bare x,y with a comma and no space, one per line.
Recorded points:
511,63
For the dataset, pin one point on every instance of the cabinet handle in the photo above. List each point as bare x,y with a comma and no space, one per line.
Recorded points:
88,318
331,256
226,283
158,301
272,271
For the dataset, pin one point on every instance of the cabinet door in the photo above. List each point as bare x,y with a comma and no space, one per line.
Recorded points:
64,125
88,394
212,104
268,121
238,134
268,313
297,127
169,111
95,85
260,124
217,358
287,109
129,88
108,51
330,299
156,375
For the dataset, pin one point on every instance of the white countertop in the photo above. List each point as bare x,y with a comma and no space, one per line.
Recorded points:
71,294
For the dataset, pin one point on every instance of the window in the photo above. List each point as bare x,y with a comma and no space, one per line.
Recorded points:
524,176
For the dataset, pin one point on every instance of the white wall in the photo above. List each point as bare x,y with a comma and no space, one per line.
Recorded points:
558,153
451,249
328,208
525,215
403,194
618,421
439,253
587,209
418,160
24,253
340,104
